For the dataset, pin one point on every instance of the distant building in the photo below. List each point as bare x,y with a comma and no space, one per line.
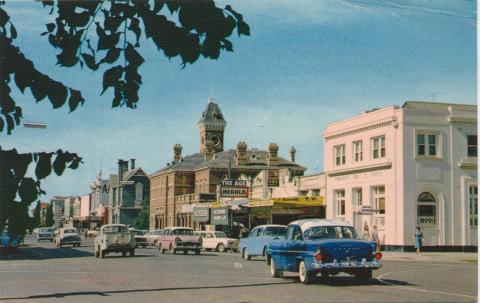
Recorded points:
127,191
402,167
192,181
99,201
58,207
43,213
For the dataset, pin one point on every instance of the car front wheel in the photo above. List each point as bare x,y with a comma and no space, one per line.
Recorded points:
274,272
245,254
304,275
220,247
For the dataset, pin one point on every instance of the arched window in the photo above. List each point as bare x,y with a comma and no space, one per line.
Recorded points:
426,210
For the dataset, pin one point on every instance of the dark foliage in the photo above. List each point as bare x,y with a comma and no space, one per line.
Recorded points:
49,216
115,27
142,220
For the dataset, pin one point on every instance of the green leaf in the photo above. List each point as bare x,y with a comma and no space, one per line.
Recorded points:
4,17
133,57
57,93
50,27
44,167
90,61
75,99
135,27
59,164
158,5
13,32
111,77
28,190
112,55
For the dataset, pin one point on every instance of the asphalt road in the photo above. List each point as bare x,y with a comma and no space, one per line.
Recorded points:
43,273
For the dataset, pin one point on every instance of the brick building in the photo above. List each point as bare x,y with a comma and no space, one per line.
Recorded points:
192,180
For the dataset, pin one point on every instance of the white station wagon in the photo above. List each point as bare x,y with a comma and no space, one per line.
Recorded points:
217,240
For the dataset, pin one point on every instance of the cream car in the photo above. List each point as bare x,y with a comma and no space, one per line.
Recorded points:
67,236
217,240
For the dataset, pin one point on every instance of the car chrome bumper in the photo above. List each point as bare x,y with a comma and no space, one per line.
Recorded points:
348,264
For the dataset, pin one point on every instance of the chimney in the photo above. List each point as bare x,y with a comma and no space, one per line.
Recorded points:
132,163
122,168
209,151
241,153
177,152
293,151
272,154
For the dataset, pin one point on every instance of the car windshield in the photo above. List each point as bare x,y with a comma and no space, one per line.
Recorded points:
277,231
115,229
331,232
182,231
46,230
69,231
138,232
220,234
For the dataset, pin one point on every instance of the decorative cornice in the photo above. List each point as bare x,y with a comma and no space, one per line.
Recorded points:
362,129
361,169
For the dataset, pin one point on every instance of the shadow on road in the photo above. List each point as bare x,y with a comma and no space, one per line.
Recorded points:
112,292
42,253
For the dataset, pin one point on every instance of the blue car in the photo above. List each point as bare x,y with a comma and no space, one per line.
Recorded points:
257,241
326,247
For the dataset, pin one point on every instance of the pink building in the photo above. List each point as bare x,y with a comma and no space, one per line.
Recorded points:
402,167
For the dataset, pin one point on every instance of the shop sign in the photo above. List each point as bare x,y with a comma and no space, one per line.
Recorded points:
234,183
220,216
260,203
233,188
299,199
274,182
201,214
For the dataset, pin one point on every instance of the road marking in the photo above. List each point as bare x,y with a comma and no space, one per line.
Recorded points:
379,278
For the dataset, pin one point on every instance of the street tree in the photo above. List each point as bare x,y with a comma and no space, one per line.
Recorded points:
49,216
101,36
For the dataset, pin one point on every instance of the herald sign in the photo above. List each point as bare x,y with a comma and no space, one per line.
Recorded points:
233,188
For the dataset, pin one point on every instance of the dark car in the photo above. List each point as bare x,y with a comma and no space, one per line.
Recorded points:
326,247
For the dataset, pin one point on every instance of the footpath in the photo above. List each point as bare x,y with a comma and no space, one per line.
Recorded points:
431,257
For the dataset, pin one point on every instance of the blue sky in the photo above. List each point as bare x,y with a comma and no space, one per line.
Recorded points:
307,63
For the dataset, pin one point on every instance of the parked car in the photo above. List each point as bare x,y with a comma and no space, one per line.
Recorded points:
179,239
93,233
326,247
114,238
153,236
257,241
140,237
67,236
45,233
217,240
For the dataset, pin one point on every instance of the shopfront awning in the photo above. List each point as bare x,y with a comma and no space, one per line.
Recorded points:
300,201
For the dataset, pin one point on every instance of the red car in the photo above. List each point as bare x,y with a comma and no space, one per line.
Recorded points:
179,239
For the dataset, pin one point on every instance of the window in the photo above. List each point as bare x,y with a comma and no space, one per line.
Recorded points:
427,144
294,233
472,145
473,199
426,210
378,147
378,202
138,192
357,196
340,155
357,151
340,202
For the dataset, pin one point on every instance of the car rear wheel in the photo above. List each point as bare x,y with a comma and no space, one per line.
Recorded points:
363,275
220,247
124,253
274,272
245,254
304,275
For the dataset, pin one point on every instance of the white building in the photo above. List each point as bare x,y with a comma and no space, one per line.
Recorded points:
399,168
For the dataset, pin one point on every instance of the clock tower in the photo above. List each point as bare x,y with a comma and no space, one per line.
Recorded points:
211,127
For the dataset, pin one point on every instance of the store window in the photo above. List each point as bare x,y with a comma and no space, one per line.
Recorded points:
473,202
357,151
339,155
357,196
340,202
378,147
426,210
472,145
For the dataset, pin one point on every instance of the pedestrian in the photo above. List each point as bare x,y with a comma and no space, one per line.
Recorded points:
375,237
366,232
418,240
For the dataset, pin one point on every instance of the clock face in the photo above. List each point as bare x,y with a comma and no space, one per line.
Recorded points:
215,140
